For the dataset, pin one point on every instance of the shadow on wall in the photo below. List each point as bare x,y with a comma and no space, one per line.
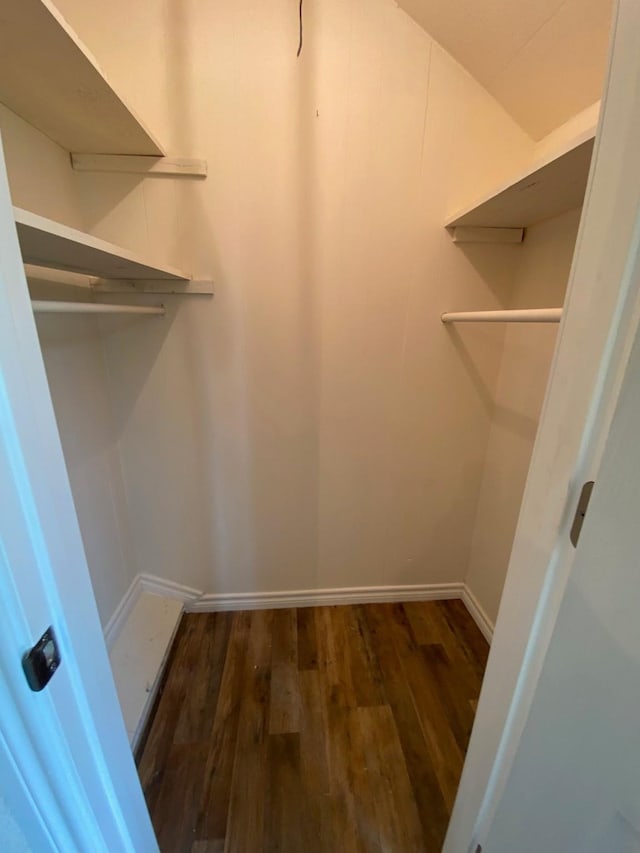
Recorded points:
66,336
500,279
505,417
124,331
465,354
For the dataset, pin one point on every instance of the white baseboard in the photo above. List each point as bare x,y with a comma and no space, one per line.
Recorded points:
169,589
139,655
478,615
320,597
152,691
140,584
195,602
348,595
139,637
121,613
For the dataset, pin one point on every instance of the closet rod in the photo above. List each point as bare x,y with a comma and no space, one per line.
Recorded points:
46,306
524,315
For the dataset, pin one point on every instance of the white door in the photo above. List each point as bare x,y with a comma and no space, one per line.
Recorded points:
574,784
598,327
67,778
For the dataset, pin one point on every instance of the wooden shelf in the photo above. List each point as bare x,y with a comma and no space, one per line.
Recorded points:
551,187
46,243
50,79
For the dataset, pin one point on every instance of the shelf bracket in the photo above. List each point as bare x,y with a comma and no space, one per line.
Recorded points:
152,167
481,234
160,286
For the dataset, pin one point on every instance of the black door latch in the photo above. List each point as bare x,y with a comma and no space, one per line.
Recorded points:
41,662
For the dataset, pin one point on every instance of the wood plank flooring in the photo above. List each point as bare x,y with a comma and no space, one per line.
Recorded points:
332,729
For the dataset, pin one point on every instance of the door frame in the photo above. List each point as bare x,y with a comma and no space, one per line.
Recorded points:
71,779
600,323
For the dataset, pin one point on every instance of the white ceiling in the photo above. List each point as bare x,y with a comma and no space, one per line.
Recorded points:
543,60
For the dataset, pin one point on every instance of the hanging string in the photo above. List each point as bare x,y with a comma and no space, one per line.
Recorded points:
300,19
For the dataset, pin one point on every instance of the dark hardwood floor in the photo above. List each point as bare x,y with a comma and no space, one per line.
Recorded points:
330,729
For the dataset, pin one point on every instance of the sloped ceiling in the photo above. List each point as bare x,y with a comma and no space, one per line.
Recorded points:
543,60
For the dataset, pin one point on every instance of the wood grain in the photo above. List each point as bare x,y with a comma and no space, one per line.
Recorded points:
315,730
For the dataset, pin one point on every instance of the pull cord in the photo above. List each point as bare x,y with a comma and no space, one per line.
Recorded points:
300,20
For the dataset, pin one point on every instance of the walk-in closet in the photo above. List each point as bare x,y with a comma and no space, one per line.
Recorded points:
298,272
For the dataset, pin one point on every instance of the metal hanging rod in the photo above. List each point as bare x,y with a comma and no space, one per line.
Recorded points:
46,306
524,315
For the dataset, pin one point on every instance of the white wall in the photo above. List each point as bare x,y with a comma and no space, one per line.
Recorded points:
40,176
541,280
41,179
310,426
314,425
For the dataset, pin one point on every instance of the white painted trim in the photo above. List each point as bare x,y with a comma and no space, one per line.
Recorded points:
318,597
196,602
121,613
140,165
169,589
145,583
477,613
155,687
152,585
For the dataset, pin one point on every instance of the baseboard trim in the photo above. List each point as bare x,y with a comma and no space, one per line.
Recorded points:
144,583
195,602
121,613
478,614
169,589
153,692
319,597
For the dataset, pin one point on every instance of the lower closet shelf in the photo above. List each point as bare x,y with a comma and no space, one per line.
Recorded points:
139,655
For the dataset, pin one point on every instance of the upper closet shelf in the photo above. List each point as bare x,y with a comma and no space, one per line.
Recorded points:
50,79
550,188
46,243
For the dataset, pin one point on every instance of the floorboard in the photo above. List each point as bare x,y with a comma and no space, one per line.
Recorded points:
313,730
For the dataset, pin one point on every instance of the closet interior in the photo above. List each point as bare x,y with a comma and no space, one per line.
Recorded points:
389,237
